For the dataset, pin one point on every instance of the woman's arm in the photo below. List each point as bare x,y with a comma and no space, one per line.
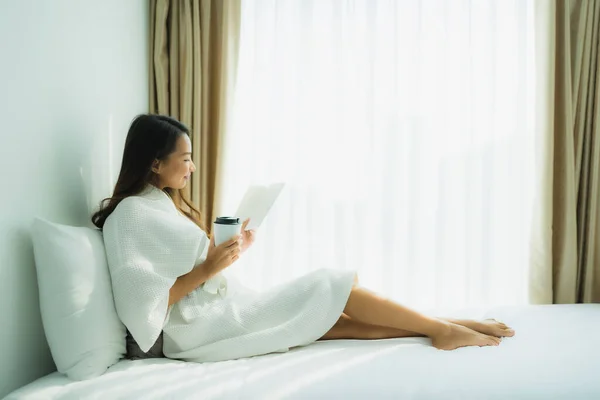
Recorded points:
190,281
218,258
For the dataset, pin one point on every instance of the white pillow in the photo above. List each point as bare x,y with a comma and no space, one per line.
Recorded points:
81,324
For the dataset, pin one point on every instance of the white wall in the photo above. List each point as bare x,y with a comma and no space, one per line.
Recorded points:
73,73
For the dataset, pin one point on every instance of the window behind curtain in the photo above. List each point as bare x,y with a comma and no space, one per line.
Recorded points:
404,132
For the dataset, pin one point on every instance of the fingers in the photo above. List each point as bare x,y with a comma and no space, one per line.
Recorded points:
245,224
235,249
232,254
232,242
229,251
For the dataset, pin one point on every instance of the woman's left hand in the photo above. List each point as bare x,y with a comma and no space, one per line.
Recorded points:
248,237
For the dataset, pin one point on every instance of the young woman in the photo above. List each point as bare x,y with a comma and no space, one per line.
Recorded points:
167,274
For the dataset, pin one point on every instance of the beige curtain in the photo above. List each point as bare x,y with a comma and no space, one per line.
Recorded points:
565,265
193,59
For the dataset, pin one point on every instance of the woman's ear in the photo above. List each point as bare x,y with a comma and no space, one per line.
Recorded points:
156,166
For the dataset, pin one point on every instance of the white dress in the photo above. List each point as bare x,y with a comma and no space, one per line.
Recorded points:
149,243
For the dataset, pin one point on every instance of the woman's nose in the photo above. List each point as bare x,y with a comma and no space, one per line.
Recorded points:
193,167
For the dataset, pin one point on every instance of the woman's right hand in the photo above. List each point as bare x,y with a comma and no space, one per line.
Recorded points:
222,256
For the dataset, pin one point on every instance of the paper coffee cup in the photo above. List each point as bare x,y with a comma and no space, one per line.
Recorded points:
225,228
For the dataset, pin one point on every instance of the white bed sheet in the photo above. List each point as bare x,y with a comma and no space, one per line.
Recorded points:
555,355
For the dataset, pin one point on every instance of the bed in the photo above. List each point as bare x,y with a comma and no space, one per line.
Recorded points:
555,355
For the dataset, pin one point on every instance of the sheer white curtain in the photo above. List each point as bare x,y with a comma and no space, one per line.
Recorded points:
403,130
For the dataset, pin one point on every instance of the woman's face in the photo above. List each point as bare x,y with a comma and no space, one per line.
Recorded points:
174,172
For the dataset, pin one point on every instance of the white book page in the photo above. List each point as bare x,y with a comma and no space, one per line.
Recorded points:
257,202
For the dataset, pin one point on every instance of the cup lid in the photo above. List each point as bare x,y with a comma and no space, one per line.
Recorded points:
227,220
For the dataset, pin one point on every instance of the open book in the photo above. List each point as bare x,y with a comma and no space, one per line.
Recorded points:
257,202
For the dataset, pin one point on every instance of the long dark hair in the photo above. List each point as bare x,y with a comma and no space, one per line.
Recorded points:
150,137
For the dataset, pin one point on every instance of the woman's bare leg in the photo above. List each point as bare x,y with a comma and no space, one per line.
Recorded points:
367,307
347,328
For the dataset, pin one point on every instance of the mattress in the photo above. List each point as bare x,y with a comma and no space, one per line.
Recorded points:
554,355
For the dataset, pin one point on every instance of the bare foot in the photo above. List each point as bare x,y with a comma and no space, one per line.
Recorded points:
487,326
455,336
494,328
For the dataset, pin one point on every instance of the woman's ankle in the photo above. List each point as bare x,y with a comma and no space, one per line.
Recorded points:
439,327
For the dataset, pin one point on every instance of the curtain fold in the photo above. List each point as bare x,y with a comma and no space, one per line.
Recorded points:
566,240
193,61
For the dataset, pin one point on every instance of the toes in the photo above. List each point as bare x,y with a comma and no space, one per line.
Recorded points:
498,323
494,340
504,332
509,332
490,340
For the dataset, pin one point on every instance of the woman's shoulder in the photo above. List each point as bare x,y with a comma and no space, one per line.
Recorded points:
149,198
129,204
129,210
